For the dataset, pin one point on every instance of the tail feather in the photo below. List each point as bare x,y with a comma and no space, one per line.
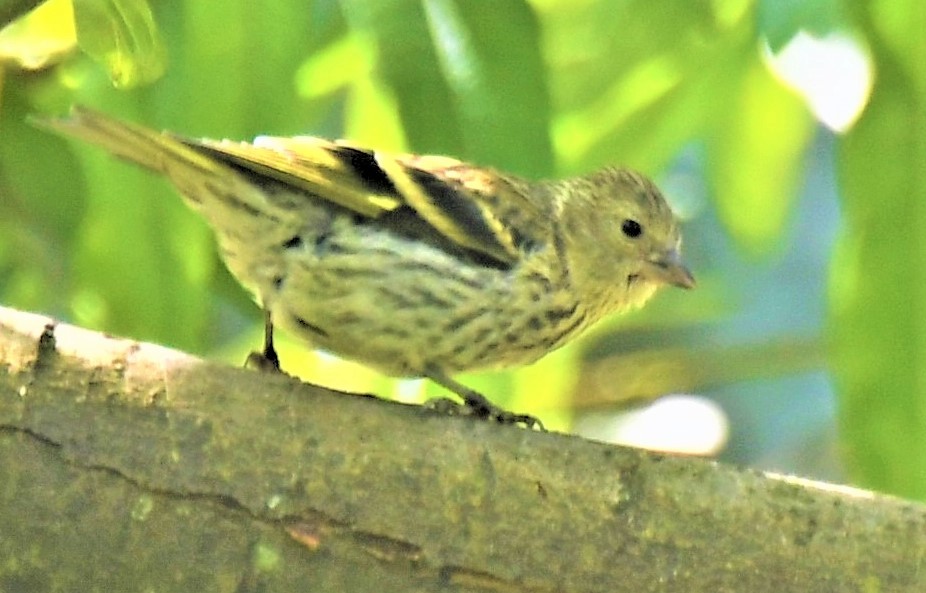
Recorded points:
158,151
214,188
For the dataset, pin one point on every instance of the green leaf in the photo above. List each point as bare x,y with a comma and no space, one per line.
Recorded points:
40,211
40,38
236,78
468,77
878,289
489,54
780,20
592,45
141,261
635,98
407,62
757,149
123,35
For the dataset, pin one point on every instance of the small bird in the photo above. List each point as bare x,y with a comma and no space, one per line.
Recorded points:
418,266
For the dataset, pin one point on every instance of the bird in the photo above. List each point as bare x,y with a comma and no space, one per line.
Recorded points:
415,265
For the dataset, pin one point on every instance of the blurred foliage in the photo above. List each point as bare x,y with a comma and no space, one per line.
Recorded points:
680,89
878,317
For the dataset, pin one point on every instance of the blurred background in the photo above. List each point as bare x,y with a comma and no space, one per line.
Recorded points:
790,136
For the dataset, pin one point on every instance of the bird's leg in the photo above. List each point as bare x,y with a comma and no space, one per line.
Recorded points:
476,404
267,360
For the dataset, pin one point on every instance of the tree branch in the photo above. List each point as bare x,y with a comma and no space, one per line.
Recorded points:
127,466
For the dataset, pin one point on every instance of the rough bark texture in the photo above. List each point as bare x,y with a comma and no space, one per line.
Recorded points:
128,467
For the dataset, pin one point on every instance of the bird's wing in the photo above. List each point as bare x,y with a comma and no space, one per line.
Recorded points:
475,208
340,174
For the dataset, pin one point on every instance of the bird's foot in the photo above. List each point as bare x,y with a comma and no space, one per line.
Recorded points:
267,361
262,362
482,410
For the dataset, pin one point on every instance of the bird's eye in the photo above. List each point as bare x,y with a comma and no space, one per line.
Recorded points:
631,228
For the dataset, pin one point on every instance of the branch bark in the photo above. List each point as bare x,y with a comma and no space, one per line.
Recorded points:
128,466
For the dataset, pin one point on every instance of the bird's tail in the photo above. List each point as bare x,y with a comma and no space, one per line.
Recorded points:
205,182
158,151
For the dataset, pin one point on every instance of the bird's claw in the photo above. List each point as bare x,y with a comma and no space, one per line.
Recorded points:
262,362
484,411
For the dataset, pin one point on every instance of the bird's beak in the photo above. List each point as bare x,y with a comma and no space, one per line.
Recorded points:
668,267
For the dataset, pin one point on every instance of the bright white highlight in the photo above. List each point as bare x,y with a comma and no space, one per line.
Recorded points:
686,424
834,74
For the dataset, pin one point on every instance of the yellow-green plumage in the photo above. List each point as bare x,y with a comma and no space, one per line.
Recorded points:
415,265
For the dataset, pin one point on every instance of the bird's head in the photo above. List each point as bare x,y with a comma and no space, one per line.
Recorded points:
620,237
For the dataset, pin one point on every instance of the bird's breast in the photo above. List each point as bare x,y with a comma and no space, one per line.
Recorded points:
405,306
